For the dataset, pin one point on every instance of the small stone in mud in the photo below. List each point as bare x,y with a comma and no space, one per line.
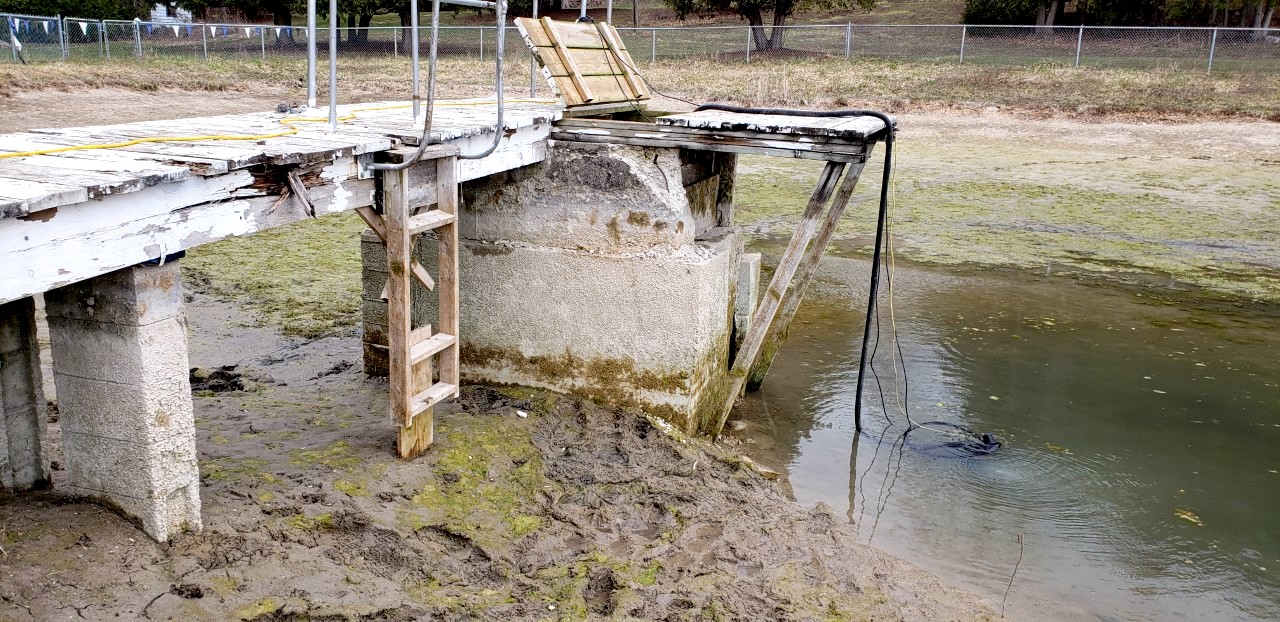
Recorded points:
188,590
737,425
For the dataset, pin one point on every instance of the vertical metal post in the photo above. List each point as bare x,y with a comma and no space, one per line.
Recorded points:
848,39
533,68
964,34
204,39
62,38
333,65
653,46
608,12
1213,45
582,15
10,24
482,44
102,36
262,36
311,53
1079,44
413,56
748,44
137,37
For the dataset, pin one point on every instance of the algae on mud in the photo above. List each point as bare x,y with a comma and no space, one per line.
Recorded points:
1121,200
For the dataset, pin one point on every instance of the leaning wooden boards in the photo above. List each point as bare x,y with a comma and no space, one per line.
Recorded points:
585,63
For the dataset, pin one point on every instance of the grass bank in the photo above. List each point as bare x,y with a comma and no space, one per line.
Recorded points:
896,86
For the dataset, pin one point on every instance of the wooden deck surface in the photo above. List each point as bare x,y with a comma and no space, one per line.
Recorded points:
75,214
36,183
848,128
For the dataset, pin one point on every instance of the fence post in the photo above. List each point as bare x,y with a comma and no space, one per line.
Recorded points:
62,37
137,36
9,24
395,44
482,43
848,39
748,44
204,39
102,36
1079,44
964,34
262,36
1213,44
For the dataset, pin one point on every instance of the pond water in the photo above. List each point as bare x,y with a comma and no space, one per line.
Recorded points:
1141,456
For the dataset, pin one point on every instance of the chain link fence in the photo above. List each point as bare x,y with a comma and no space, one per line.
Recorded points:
29,38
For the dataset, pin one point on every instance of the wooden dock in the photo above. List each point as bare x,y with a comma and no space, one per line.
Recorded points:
68,215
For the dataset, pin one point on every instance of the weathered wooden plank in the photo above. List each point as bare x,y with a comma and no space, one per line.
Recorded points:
650,130
779,149
778,332
447,242
25,196
782,276
579,35
566,58
395,213
848,127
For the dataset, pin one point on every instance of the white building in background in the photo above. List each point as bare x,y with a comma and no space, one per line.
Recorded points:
162,13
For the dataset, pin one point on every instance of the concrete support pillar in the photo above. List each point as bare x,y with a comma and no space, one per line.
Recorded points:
24,446
746,299
124,395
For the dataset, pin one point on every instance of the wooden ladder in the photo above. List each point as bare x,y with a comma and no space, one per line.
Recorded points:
411,349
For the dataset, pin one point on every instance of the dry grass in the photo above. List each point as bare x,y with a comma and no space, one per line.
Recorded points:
820,83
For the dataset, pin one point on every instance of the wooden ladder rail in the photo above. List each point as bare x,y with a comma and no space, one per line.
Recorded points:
411,350
802,254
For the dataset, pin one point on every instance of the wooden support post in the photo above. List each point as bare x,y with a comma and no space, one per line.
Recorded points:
808,268
447,236
787,266
395,207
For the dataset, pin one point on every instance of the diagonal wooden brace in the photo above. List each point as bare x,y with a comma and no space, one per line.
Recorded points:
379,228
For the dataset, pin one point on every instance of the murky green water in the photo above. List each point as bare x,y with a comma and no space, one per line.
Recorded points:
1142,442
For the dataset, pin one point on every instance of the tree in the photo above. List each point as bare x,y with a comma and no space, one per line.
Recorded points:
88,9
754,10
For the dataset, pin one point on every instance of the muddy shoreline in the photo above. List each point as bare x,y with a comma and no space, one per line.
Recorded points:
569,511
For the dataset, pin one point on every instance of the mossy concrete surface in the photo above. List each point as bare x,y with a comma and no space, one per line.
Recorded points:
1195,204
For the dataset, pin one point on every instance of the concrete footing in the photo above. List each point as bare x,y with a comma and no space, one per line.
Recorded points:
119,346
24,446
607,271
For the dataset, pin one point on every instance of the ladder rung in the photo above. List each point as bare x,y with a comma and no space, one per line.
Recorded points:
429,220
429,347
428,398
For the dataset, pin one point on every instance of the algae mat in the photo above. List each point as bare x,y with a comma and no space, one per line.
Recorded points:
1191,203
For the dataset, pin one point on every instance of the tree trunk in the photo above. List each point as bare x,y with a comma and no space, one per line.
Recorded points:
351,28
362,35
1271,13
1052,13
284,17
782,9
756,22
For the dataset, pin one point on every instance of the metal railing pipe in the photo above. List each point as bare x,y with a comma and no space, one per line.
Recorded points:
333,65
311,53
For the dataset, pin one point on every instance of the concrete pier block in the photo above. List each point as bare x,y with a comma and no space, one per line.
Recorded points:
119,345
24,445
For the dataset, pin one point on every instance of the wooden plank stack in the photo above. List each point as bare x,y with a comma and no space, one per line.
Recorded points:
585,63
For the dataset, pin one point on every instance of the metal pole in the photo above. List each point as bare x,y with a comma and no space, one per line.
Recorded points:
748,44
608,12
582,15
1213,45
311,53
1079,44
395,44
653,46
204,39
102,36
262,36
482,44
413,55
964,34
62,38
137,36
333,65
848,39
533,68
10,22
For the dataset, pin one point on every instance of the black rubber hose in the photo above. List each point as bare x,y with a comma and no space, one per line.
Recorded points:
890,128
